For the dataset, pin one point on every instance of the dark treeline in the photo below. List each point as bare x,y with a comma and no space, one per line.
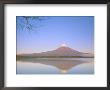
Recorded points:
28,57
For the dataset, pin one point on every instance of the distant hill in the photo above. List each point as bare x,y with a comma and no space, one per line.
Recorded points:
62,51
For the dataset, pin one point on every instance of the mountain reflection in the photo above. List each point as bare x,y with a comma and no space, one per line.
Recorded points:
62,65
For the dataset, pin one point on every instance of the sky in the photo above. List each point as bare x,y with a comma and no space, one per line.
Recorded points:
51,32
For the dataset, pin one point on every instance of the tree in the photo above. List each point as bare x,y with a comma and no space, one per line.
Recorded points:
27,22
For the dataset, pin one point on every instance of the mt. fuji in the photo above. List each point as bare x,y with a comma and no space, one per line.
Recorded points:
63,51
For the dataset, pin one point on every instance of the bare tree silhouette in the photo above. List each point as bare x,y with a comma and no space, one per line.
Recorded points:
27,22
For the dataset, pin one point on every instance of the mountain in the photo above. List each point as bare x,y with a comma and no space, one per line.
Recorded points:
62,51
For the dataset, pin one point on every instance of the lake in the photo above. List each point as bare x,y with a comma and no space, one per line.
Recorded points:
55,66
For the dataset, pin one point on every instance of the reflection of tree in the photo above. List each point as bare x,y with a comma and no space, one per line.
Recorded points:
28,22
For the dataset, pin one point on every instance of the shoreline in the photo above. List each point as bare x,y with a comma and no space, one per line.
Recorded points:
31,57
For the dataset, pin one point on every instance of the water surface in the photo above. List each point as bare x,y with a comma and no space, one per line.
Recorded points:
55,66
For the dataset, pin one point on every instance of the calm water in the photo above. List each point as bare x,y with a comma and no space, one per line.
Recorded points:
56,66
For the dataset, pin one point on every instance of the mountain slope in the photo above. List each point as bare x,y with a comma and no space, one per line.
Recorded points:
63,51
